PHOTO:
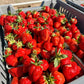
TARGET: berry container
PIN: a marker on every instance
(69, 11)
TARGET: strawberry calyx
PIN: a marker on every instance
(29, 45)
(53, 34)
(67, 37)
(19, 19)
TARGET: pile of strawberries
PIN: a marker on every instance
(36, 51)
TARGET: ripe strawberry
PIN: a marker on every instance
(52, 12)
(17, 44)
(16, 72)
(57, 25)
(61, 40)
(46, 8)
(70, 71)
(68, 33)
(81, 46)
(68, 25)
(26, 36)
(22, 14)
(44, 34)
(52, 67)
(60, 46)
(31, 44)
(8, 28)
(8, 51)
(45, 54)
(2, 20)
(45, 15)
(42, 80)
(47, 46)
(40, 20)
(81, 38)
(49, 21)
(13, 62)
(28, 14)
(73, 47)
(67, 52)
(34, 72)
(67, 39)
(73, 21)
(35, 14)
(44, 65)
(25, 80)
(54, 18)
(73, 41)
(14, 80)
(80, 54)
(23, 23)
(31, 27)
(55, 39)
(30, 21)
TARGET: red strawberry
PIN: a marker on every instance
(46, 8)
(70, 71)
(52, 67)
(45, 15)
(2, 20)
(26, 36)
(73, 21)
(34, 72)
(54, 18)
(44, 65)
(31, 44)
(52, 12)
(81, 46)
(13, 61)
(30, 21)
(22, 14)
(57, 25)
(40, 20)
(60, 46)
(55, 39)
(68, 33)
(61, 39)
(76, 35)
(45, 54)
(25, 80)
(44, 34)
(49, 21)
(47, 46)
(35, 14)
(28, 14)
(68, 25)
(14, 80)
(73, 41)
(31, 27)
(67, 39)
(42, 80)
(8, 51)
(80, 54)
(16, 72)
(81, 38)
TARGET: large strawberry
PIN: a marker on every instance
(16, 72)
(25, 80)
(71, 70)
(13, 61)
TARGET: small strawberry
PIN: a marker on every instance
(45, 15)
(13, 62)
(57, 25)
(15, 80)
(16, 72)
(40, 20)
(35, 14)
(68, 33)
(30, 21)
(76, 35)
(46, 8)
(52, 12)
(49, 21)
(31, 27)
(67, 39)
(8, 51)
(80, 54)
(81, 46)
(81, 38)
(25, 80)
(28, 14)
(73, 21)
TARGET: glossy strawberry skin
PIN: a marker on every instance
(15, 80)
(57, 25)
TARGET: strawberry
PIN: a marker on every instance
(56, 77)
(52, 67)
(46, 8)
(31, 44)
(73, 47)
(44, 65)
(57, 25)
(47, 46)
(81, 46)
(13, 62)
(67, 39)
(28, 14)
(22, 14)
(8, 51)
(54, 18)
(80, 54)
(45, 15)
(76, 35)
(14, 80)
(26, 36)
(2, 20)
(73, 41)
(23, 23)
(61, 40)
(8, 28)
(68, 33)
(17, 44)
(60, 46)
(70, 71)
(35, 14)
(81, 38)
(40, 20)
(55, 39)
(49, 21)
(73, 21)
(31, 27)
(34, 72)
(30, 21)
(68, 25)
(16, 72)
(45, 54)
(25, 80)
(44, 34)
(52, 12)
